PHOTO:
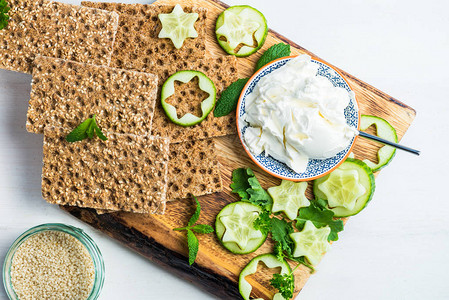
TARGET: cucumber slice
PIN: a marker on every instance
(289, 197)
(205, 84)
(311, 242)
(384, 130)
(241, 30)
(271, 262)
(343, 188)
(235, 230)
(178, 26)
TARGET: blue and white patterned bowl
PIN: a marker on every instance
(316, 167)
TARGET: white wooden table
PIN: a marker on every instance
(398, 248)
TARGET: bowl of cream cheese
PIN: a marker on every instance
(297, 118)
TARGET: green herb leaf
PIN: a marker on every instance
(263, 222)
(273, 53)
(202, 228)
(193, 244)
(284, 283)
(320, 217)
(80, 132)
(229, 98)
(85, 130)
(196, 215)
(245, 184)
(4, 18)
(280, 232)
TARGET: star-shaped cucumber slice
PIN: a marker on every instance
(289, 197)
(342, 188)
(238, 28)
(311, 242)
(178, 26)
(239, 227)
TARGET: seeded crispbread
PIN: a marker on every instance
(137, 44)
(193, 168)
(65, 93)
(56, 29)
(126, 172)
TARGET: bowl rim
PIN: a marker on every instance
(79, 234)
(242, 94)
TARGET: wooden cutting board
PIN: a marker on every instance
(216, 270)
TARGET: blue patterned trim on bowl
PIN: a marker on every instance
(315, 167)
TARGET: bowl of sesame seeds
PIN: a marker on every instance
(53, 261)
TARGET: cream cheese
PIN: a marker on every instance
(295, 115)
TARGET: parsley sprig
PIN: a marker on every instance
(245, 184)
(87, 129)
(192, 240)
(4, 17)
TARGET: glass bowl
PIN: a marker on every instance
(79, 234)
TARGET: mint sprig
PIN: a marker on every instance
(274, 52)
(229, 98)
(87, 129)
(4, 17)
(192, 240)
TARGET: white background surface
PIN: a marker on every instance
(398, 248)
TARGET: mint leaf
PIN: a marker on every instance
(229, 98)
(320, 217)
(80, 132)
(284, 283)
(196, 215)
(245, 184)
(4, 18)
(193, 244)
(99, 133)
(202, 228)
(273, 53)
(87, 129)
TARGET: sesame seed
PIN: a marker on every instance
(52, 265)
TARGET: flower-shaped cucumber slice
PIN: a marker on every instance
(178, 26)
(204, 83)
(241, 30)
(343, 188)
(289, 197)
(235, 229)
(311, 242)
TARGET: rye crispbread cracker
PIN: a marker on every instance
(193, 168)
(222, 71)
(126, 172)
(65, 93)
(137, 44)
(55, 29)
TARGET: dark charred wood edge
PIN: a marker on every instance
(176, 263)
(359, 82)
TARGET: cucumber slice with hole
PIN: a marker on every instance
(235, 230)
(270, 261)
(343, 187)
(383, 130)
(205, 84)
(241, 30)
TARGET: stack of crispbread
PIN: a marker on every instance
(56, 29)
(105, 59)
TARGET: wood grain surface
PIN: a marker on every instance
(216, 270)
